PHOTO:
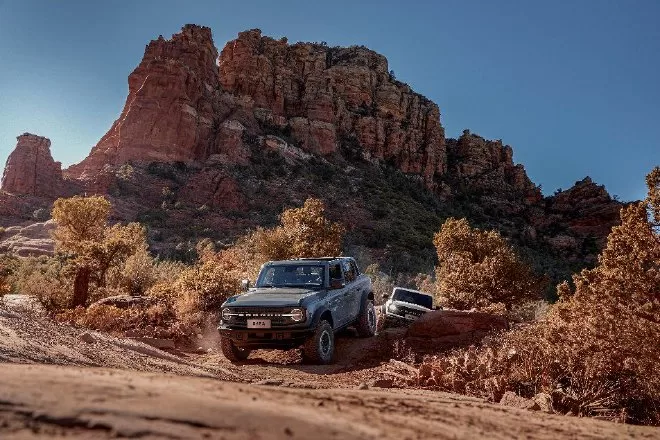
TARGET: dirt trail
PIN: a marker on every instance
(137, 391)
(40, 401)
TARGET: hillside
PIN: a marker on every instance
(212, 143)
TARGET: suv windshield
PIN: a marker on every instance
(413, 297)
(291, 275)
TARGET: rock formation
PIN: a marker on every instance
(586, 210)
(487, 166)
(31, 170)
(266, 124)
(34, 239)
(173, 107)
(331, 98)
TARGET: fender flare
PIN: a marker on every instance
(316, 317)
(367, 295)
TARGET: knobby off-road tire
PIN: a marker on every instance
(319, 348)
(367, 323)
(232, 352)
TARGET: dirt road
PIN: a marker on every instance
(59, 381)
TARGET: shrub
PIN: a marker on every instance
(45, 278)
(8, 265)
(479, 269)
(155, 319)
(200, 288)
(137, 274)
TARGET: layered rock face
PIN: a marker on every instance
(333, 98)
(31, 170)
(172, 106)
(488, 166)
(586, 209)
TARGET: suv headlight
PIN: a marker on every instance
(226, 314)
(393, 308)
(297, 315)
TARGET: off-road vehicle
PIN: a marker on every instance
(298, 303)
(405, 306)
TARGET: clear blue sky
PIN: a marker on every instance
(572, 86)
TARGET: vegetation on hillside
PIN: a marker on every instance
(95, 260)
(595, 353)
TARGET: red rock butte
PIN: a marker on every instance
(182, 107)
(31, 170)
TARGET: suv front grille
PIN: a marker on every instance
(275, 314)
(403, 310)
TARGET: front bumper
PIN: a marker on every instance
(282, 338)
(393, 317)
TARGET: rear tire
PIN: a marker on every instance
(232, 352)
(319, 348)
(367, 323)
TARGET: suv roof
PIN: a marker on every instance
(411, 290)
(319, 260)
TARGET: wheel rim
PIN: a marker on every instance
(325, 343)
(371, 317)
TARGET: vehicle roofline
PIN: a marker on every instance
(411, 290)
(319, 260)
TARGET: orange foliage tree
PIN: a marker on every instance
(303, 232)
(83, 234)
(479, 269)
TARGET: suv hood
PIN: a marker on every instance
(271, 297)
(408, 305)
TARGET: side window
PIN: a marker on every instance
(355, 268)
(349, 272)
(335, 272)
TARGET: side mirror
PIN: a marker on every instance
(386, 296)
(245, 285)
(336, 283)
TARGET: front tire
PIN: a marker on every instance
(367, 322)
(319, 348)
(232, 352)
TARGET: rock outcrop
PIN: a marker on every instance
(447, 329)
(31, 170)
(331, 98)
(578, 220)
(173, 109)
(34, 239)
(487, 166)
(586, 209)
(454, 322)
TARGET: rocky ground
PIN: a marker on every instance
(61, 381)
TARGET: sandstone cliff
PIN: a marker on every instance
(585, 213)
(332, 98)
(487, 166)
(31, 170)
(173, 111)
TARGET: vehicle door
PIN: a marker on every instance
(337, 297)
(352, 297)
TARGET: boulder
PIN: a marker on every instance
(456, 324)
(512, 399)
